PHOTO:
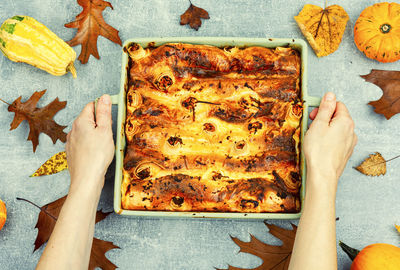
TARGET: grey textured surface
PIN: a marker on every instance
(367, 207)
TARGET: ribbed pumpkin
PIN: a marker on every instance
(3, 214)
(23, 39)
(377, 32)
(374, 257)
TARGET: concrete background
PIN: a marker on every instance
(367, 207)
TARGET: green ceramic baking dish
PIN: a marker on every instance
(120, 100)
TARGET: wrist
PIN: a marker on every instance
(321, 183)
(86, 187)
(83, 199)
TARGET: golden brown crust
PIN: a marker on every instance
(212, 129)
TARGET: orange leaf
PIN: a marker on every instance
(374, 165)
(47, 220)
(397, 228)
(389, 82)
(91, 25)
(323, 28)
(273, 257)
(193, 16)
(40, 120)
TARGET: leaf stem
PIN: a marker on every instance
(41, 208)
(319, 23)
(386, 161)
(392, 158)
(5, 102)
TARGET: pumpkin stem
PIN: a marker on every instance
(72, 69)
(351, 252)
(385, 28)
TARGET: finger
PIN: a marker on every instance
(341, 110)
(103, 112)
(355, 140)
(85, 118)
(313, 113)
(326, 108)
(88, 112)
(68, 144)
(353, 145)
(342, 116)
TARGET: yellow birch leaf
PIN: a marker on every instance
(323, 28)
(55, 164)
(374, 165)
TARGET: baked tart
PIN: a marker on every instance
(212, 129)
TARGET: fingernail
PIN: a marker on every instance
(329, 96)
(106, 99)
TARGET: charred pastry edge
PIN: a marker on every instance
(205, 67)
(177, 190)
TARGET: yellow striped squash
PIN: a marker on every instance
(23, 39)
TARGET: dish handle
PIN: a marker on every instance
(312, 101)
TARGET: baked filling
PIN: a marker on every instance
(212, 129)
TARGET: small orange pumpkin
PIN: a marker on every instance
(373, 257)
(377, 32)
(3, 214)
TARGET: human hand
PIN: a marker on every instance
(90, 146)
(330, 140)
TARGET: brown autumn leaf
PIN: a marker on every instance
(91, 25)
(323, 28)
(374, 165)
(55, 164)
(98, 255)
(193, 16)
(47, 220)
(389, 82)
(273, 257)
(40, 120)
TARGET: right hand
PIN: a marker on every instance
(330, 140)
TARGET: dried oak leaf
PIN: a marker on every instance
(389, 82)
(91, 25)
(374, 165)
(273, 257)
(98, 255)
(323, 28)
(55, 164)
(193, 16)
(47, 220)
(40, 120)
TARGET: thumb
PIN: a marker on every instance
(326, 108)
(103, 112)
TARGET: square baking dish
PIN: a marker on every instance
(120, 100)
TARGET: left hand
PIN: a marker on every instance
(90, 145)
